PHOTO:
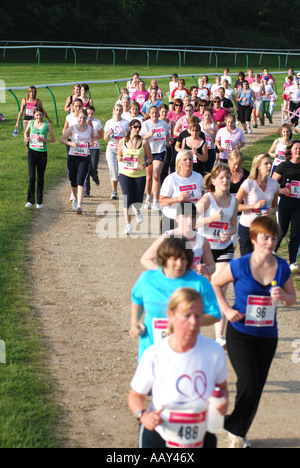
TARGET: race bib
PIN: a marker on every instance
(295, 189)
(213, 231)
(34, 143)
(260, 311)
(185, 429)
(193, 191)
(115, 141)
(159, 134)
(131, 163)
(227, 145)
(29, 111)
(208, 142)
(81, 150)
(159, 329)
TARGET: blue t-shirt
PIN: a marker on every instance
(153, 290)
(245, 285)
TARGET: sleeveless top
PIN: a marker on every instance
(82, 139)
(34, 133)
(132, 158)
(212, 231)
(198, 166)
(29, 109)
(246, 98)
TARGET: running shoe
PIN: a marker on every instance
(79, 210)
(139, 217)
(39, 206)
(255, 126)
(249, 130)
(74, 204)
(221, 340)
(28, 205)
(114, 195)
(294, 268)
(128, 230)
(155, 206)
(238, 442)
(147, 204)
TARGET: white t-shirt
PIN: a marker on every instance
(119, 128)
(228, 78)
(180, 381)
(174, 184)
(97, 125)
(157, 141)
(255, 194)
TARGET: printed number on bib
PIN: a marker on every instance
(35, 143)
(193, 191)
(260, 311)
(295, 189)
(81, 150)
(159, 329)
(131, 163)
(185, 429)
(214, 230)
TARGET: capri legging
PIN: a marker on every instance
(244, 113)
(78, 168)
(111, 158)
(133, 189)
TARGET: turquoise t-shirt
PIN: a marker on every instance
(153, 290)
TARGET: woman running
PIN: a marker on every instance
(134, 156)
(81, 135)
(28, 104)
(180, 373)
(114, 130)
(218, 223)
(35, 136)
(252, 332)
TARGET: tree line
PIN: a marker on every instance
(256, 24)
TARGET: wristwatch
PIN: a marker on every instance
(139, 414)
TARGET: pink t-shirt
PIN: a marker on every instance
(255, 194)
(220, 115)
(140, 97)
(174, 116)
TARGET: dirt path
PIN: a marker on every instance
(81, 287)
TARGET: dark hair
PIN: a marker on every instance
(175, 247)
(288, 153)
(131, 123)
(186, 208)
(38, 109)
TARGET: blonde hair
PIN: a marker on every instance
(256, 164)
(180, 155)
(186, 296)
(220, 167)
(236, 156)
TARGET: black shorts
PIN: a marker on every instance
(223, 255)
(160, 156)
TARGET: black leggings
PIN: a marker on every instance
(37, 163)
(133, 190)
(289, 213)
(251, 357)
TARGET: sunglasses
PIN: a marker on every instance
(178, 105)
(136, 126)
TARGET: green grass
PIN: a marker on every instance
(29, 416)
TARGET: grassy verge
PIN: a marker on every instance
(29, 416)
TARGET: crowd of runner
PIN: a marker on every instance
(184, 160)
